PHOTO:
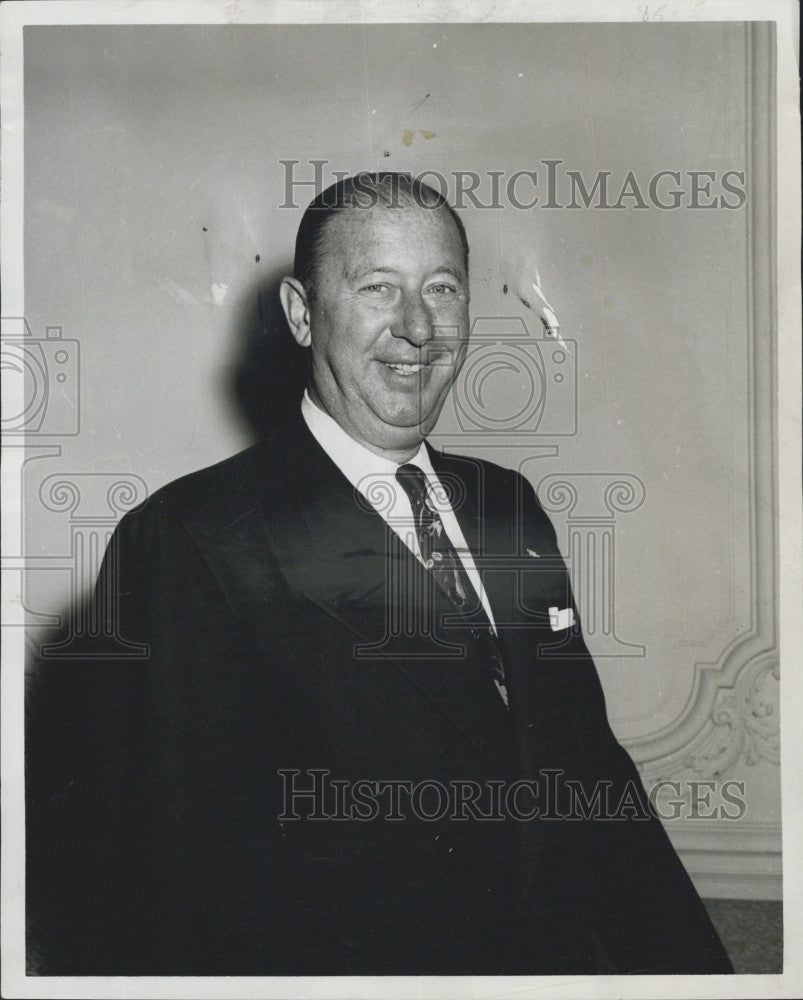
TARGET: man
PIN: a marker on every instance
(343, 626)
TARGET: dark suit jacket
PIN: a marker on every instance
(271, 602)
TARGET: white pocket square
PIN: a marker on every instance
(561, 618)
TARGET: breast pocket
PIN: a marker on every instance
(544, 594)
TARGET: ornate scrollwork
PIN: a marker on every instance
(60, 495)
(624, 494)
(745, 722)
(599, 495)
(376, 493)
(451, 492)
(90, 496)
(558, 495)
(125, 494)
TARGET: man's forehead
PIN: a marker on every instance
(354, 232)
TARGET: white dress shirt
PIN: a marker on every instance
(375, 478)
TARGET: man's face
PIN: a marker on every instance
(389, 322)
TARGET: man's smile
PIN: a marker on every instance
(425, 364)
(405, 369)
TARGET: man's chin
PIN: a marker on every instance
(408, 421)
(410, 410)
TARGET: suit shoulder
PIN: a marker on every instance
(210, 495)
(492, 476)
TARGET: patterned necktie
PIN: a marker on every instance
(446, 567)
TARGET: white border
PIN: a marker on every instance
(17, 13)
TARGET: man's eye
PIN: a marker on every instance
(441, 289)
(375, 288)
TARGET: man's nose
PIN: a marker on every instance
(415, 322)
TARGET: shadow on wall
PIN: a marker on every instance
(269, 373)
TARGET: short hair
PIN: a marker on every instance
(363, 190)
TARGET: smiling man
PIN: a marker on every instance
(381, 296)
(368, 737)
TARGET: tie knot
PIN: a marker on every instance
(414, 483)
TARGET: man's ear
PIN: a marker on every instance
(296, 309)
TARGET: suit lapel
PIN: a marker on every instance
(338, 552)
(330, 544)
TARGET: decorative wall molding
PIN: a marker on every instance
(746, 721)
(729, 721)
(730, 861)
(722, 716)
(743, 726)
(731, 717)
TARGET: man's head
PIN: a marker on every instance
(380, 295)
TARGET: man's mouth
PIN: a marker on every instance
(403, 369)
